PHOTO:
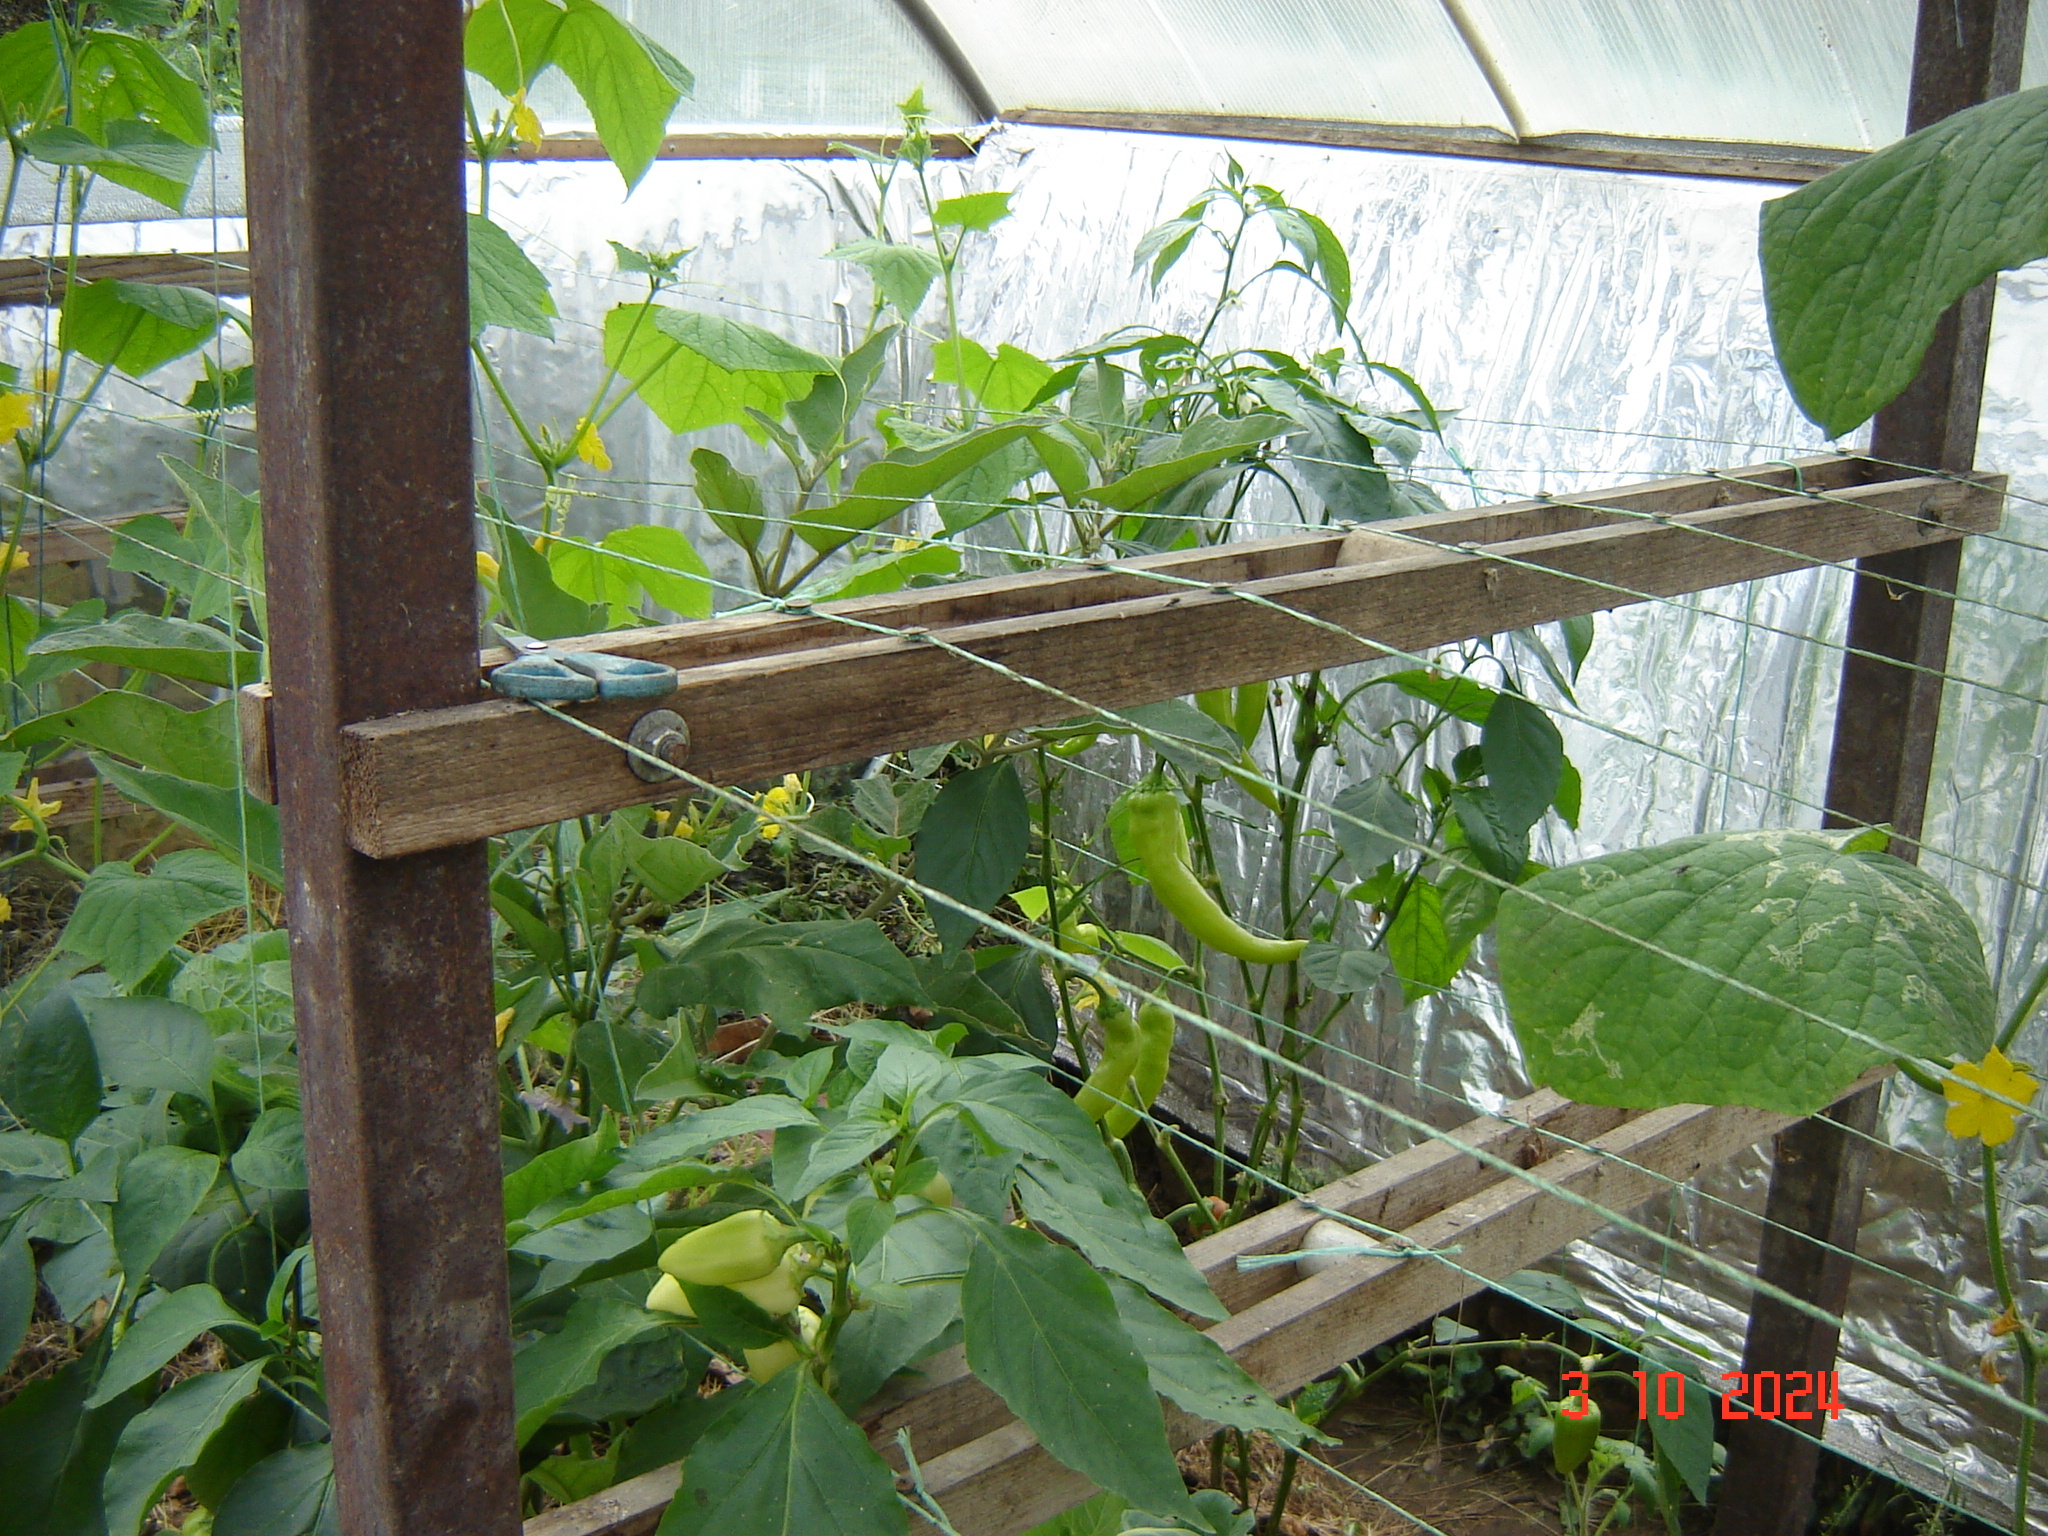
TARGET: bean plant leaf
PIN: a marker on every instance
(174, 647)
(169, 1436)
(1043, 1331)
(160, 1336)
(197, 744)
(161, 1189)
(1338, 968)
(505, 287)
(128, 921)
(972, 843)
(290, 1493)
(1524, 757)
(1859, 265)
(273, 1153)
(1634, 979)
(1191, 1370)
(49, 1071)
(785, 1461)
(152, 1043)
(234, 821)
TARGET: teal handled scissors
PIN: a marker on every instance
(566, 677)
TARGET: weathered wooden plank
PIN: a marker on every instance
(35, 280)
(740, 146)
(1742, 162)
(428, 779)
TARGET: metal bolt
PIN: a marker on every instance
(659, 733)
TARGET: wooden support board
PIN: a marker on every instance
(770, 693)
(990, 1473)
(37, 280)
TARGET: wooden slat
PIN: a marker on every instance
(434, 778)
(33, 280)
(72, 540)
(741, 146)
(1656, 157)
(994, 1479)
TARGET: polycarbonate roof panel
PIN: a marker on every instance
(1386, 61)
(807, 65)
(1821, 72)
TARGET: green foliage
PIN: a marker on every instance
(1859, 265)
(1765, 968)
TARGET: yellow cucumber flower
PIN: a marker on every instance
(525, 122)
(590, 447)
(504, 1022)
(486, 565)
(6, 910)
(20, 560)
(17, 412)
(1972, 1112)
(35, 810)
(787, 801)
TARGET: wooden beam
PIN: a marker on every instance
(40, 281)
(356, 211)
(1065, 642)
(994, 1479)
(75, 540)
(1880, 766)
(741, 146)
(1657, 157)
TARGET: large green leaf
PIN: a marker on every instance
(197, 744)
(561, 1169)
(505, 287)
(288, 1494)
(885, 487)
(1373, 821)
(689, 1135)
(242, 827)
(972, 843)
(662, 562)
(159, 1336)
(1118, 1233)
(120, 77)
(787, 971)
(49, 1073)
(629, 83)
(1524, 757)
(1191, 1370)
(127, 152)
(1043, 1332)
(174, 647)
(54, 1453)
(696, 370)
(167, 1437)
(1023, 1111)
(136, 327)
(1858, 957)
(128, 921)
(1008, 379)
(785, 1461)
(903, 274)
(1206, 444)
(152, 1043)
(273, 1153)
(555, 1367)
(1859, 265)
(160, 1191)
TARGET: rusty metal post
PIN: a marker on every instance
(1964, 52)
(361, 304)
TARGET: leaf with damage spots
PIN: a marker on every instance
(1763, 968)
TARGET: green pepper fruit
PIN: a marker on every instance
(1249, 712)
(669, 1296)
(1571, 1439)
(1156, 1027)
(1109, 1085)
(745, 1246)
(1153, 825)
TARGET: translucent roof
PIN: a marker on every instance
(1824, 73)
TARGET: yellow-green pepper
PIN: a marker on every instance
(1153, 823)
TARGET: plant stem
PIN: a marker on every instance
(2026, 1007)
(2030, 1356)
(1282, 1492)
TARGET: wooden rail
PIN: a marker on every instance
(770, 693)
(993, 1478)
(40, 280)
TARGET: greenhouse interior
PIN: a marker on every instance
(1024, 767)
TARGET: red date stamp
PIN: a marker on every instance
(1753, 1394)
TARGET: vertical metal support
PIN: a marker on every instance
(361, 305)
(1964, 52)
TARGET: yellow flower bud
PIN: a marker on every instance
(486, 565)
(504, 1022)
(6, 910)
(744, 1246)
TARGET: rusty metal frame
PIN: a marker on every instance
(361, 298)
